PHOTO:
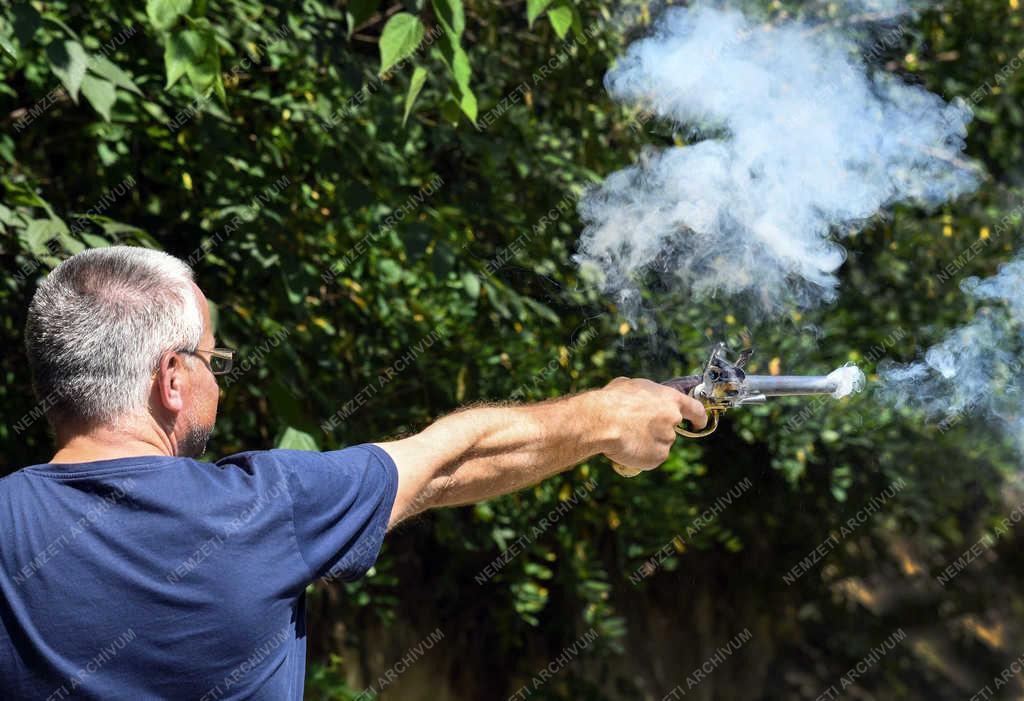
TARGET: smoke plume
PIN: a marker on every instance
(849, 379)
(976, 369)
(797, 144)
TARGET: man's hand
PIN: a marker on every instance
(644, 415)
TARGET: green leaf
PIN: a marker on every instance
(179, 53)
(458, 63)
(561, 19)
(94, 241)
(460, 68)
(294, 439)
(105, 68)
(71, 244)
(451, 111)
(467, 103)
(40, 231)
(8, 217)
(55, 19)
(401, 35)
(471, 283)
(164, 13)
(100, 93)
(419, 76)
(218, 87)
(451, 15)
(193, 53)
(205, 72)
(8, 46)
(68, 60)
(535, 8)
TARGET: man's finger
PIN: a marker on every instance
(693, 411)
(667, 435)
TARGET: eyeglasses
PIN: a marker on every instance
(220, 362)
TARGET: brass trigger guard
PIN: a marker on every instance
(713, 415)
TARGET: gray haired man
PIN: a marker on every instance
(131, 569)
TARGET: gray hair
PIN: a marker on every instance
(98, 325)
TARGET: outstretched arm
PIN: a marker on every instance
(479, 453)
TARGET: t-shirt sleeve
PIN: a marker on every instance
(341, 504)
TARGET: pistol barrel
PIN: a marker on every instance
(791, 385)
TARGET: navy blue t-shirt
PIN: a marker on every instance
(163, 577)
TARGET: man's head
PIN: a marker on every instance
(115, 338)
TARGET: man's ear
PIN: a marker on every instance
(170, 382)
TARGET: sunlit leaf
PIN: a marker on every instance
(400, 38)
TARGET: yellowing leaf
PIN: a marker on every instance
(774, 366)
(186, 180)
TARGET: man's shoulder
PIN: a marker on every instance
(9, 480)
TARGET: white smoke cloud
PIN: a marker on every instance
(803, 146)
(977, 369)
(849, 379)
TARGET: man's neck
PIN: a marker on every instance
(108, 444)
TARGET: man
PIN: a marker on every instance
(132, 570)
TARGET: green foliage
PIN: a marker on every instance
(286, 149)
(400, 38)
(68, 61)
(164, 14)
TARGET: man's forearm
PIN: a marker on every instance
(479, 453)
